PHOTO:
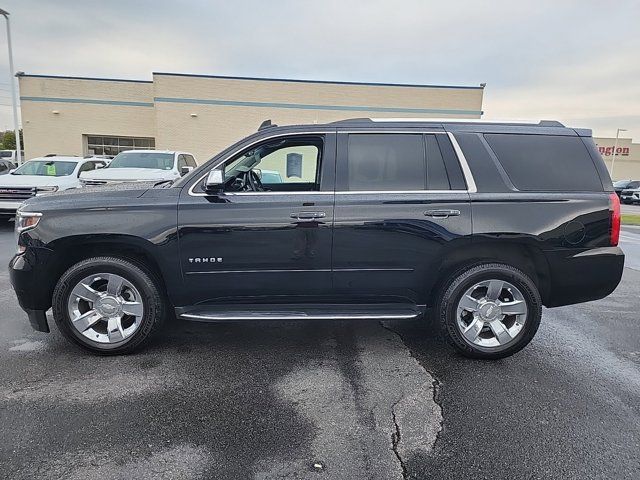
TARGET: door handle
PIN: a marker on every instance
(308, 215)
(442, 213)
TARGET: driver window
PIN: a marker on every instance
(290, 164)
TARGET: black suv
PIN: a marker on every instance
(482, 223)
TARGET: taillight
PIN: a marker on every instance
(614, 210)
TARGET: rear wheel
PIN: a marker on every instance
(490, 310)
(108, 305)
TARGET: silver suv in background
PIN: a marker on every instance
(141, 166)
(631, 195)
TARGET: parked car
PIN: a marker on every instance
(479, 223)
(40, 176)
(142, 166)
(11, 155)
(6, 166)
(631, 195)
(622, 185)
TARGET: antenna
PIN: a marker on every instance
(266, 124)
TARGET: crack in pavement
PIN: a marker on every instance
(365, 390)
(403, 447)
(395, 439)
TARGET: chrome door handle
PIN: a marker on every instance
(442, 213)
(308, 215)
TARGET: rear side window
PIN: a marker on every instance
(545, 162)
(437, 178)
(386, 162)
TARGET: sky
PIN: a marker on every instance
(573, 61)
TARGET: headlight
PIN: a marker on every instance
(25, 221)
(40, 190)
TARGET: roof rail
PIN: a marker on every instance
(541, 123)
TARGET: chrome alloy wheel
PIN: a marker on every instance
(491, 314)
(105, 308)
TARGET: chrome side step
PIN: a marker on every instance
(214, 313)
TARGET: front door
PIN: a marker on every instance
(267, 235)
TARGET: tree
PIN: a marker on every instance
(9, 140)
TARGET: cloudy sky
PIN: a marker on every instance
(575, 61)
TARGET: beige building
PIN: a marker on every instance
(203, 114)
(626, 165)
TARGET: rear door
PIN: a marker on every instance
(401, 202)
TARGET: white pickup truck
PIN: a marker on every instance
(142, 166)
(41, 176)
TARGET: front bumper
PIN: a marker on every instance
(583, 275)
(9, 207)
(626, 197)
(32, 285)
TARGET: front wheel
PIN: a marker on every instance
(490, 310)
(108, 305)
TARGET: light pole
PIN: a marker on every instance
(615, 148)
(14, 94)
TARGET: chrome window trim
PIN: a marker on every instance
(408, 192)
(462, 160)
(468, 176)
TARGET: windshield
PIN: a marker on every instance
(159, 161)
(46, 168)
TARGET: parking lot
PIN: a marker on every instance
(326, 399)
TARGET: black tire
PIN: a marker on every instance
(464, 279)
(154, 302)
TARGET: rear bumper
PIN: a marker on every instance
(583, 276)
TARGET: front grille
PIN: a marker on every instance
(17, 193)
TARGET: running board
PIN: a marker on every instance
(385, 311)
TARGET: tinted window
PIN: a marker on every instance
(191, 161)
(454, 171)
(386, 162)
(437, 178)
(131, 159)
(87, 166)
(545, 162)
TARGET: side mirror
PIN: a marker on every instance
(214, 181)
(99, 165)
(185, 170)
(12, 170)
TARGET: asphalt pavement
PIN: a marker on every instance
(634, 209)
(335, 400)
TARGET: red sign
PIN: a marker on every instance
(608, 151)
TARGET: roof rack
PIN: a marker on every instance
(541, 123)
